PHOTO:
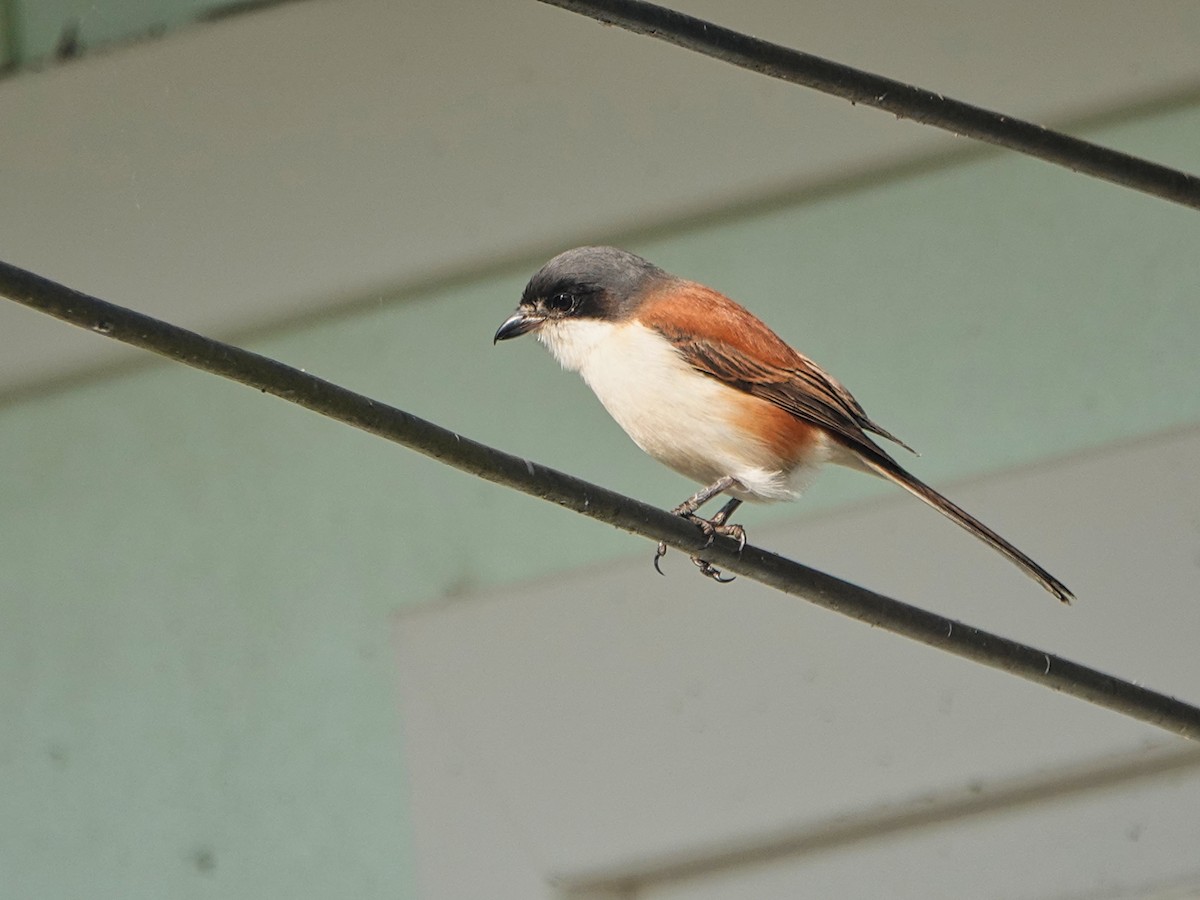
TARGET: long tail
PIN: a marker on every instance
(892, 471)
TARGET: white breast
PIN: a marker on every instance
(682, 418)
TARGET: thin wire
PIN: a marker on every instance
(902, 100)
(328, 399)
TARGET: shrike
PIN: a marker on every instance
(707, 389)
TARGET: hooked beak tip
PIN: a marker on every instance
(515, 326)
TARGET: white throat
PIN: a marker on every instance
(573, 341)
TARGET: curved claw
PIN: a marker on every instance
(737, 532)
(708, 570)
(659, 554)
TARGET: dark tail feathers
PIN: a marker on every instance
(893, 472)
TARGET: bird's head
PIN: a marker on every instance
(602, 284)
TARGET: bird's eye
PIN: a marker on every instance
(560, 302)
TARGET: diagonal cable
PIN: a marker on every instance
(902, 100)
(328, 399)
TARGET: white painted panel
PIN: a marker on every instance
(1139, 840)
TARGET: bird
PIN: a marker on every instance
(706, 388)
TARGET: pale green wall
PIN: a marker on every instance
(196, 680)
(31, 30)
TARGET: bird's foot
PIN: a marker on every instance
(710, 528)
(735, 531)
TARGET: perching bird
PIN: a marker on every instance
(707, 389)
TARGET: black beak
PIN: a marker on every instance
(517, 324)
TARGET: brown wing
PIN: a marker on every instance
(721, 339)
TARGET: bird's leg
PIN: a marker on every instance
(702, 496)
(734, 531)
(711, 527)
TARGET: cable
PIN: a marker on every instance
(328, 399)
(902, 100)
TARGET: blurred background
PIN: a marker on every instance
(248, 652)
